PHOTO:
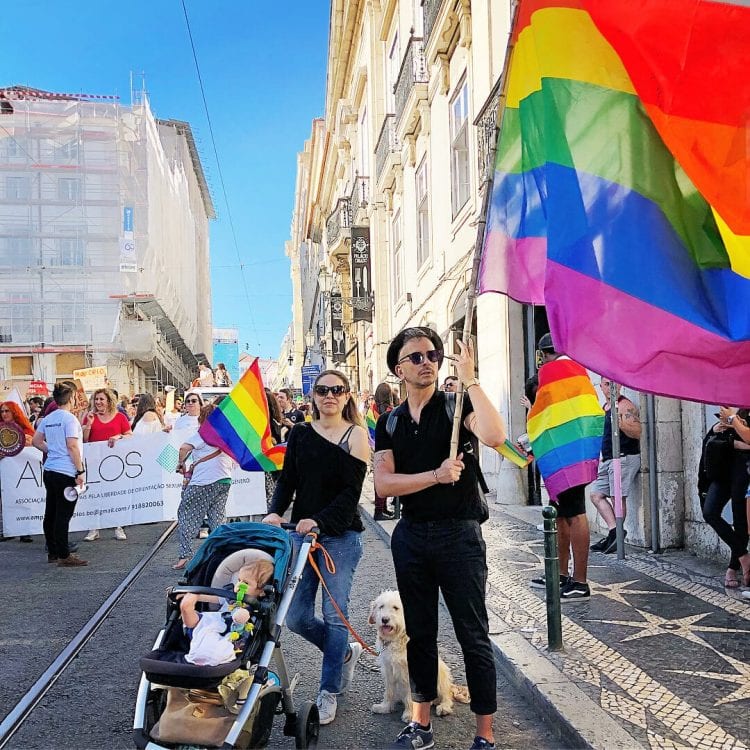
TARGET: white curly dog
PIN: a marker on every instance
(387, 613)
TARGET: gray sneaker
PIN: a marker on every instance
(326, 704)
(347, 673)
(413, 737)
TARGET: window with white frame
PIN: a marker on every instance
(460, 162)
(68, 189)
(70, 251)
(17, 188)
(15, 251)
(68, 151)
(423, 214)
(393, 64)
(397, 258)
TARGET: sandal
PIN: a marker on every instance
(730, 579)
(180, 564)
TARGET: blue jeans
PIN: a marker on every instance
(330, 634)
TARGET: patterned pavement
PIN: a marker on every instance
(662, 649)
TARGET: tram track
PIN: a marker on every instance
(15, 719)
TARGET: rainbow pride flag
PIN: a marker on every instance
(371, 419)
(621, 198)
(565, 426)
(514, 454)
(241, 427)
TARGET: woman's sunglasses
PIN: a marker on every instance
(324, 390)
(417, 358)
(192, 401)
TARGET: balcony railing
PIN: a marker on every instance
(430, 11)
(387, 144)
(486, 134)
(413, 70)
(340, 218)
(360, 195)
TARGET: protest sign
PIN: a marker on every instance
(133, 482)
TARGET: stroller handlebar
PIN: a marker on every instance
(176, 591)
(293, 526)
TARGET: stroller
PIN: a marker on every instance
(169, 684)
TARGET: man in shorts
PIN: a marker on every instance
(603, 489)
(572, 523)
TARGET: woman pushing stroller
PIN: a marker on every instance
(325, 464)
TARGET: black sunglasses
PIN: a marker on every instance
(417, 358)
(192, 401)
(324, 390)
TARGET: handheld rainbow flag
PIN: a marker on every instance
(565, 426)
(621, 186)
(240, 425)
(514, 454)
(371, 419)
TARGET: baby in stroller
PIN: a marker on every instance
(241, 567)
(215, 637)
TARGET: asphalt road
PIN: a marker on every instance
(91, 706)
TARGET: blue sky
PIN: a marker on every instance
(263, 67)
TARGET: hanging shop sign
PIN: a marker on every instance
(361, 274)
(338, 353)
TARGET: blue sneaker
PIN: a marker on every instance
(481, 744)
(413, 737)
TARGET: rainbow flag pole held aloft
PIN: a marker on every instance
(241, 427)
(565, 426)
(621, 196)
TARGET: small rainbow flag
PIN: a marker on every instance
(514, 454)
(371, 420)
(240, 425)
(565, 426)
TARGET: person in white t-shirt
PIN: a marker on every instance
(189, 420)
(60, 437)
(209, 478)
(147, 419)
(206, 376)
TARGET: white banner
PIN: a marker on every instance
(134, 482)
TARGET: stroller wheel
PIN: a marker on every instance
(308, 726)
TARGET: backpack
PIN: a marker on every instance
(470, 458)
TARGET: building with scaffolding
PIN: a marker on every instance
(104, 249)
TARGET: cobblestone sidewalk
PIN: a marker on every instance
(659, 648)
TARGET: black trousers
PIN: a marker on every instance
(448, 557)
(734, 488)
(57, 513)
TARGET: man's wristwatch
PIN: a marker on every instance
(82, 471)
(469, 383)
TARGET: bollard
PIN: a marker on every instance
(552, 578)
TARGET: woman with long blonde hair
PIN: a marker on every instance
(324, 468)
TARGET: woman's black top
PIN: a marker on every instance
(326, 479)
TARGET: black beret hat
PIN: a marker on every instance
(407, 334)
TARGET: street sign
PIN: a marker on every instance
(309, 373)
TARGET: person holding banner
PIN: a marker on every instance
(11, 412)
(205, 491)
(105, 422)
(60, 437)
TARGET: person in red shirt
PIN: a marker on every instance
(105, 422)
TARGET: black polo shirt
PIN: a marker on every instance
(423, 447)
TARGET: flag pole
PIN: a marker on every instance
(481, 226)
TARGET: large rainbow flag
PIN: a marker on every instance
(565, 426)
(240, 425)
(621, 198)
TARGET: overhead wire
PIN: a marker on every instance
(221, 175)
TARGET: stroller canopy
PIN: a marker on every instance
(231, 537)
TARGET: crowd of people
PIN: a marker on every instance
(437, 545)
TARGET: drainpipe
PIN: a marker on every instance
(653, 485)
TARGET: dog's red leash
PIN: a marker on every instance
(331, 568)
